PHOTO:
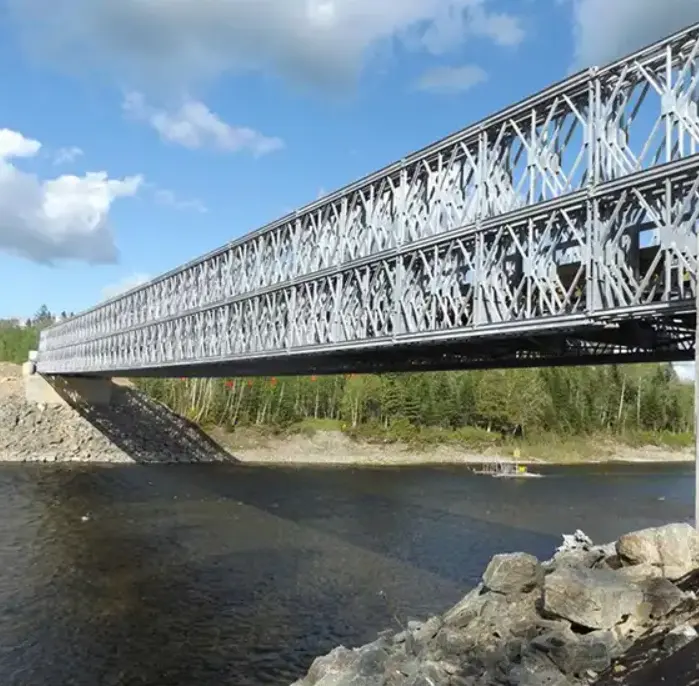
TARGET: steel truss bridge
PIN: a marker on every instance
(561, 230)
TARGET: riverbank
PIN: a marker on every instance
(310, 446)
(137, 429)
(623, 613)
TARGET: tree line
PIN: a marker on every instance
(19, 336)
(570, 401)
(567, 401)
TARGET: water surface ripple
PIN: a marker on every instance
(198, 575)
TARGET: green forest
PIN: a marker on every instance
(637, 404)
(17, 340)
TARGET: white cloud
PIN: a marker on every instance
(450, 80)
(502, 28)
(323, 42)
(458, 21)
(14, 144)
(67, 155)
(195, 126)
(126, 284)
(608, 29)
(56, 219)
(168, 198)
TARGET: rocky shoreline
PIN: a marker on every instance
(622, 613)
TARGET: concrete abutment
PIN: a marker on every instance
(64, 390)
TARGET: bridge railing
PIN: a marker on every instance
(505, 222)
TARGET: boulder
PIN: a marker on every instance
(451, 643)
(674, 549)
(513, 573)
(679, 637)
(591, 598)
(429, 674)
(578, 551)
(467, 609)
(662, 596)
(594, 651)
(425, 632)
(575, 558)
(329, 669)
(555, 639)
(503, 617)
(371, 660)
(537, 670)
(640, 573)
(342, 667)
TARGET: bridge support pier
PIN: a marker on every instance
(64, 390)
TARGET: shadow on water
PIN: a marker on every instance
(359, 508)
(144, 429)
(123, 601)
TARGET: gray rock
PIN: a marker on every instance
(662, 596)
(398, 670)
(450, 643)
(426, 632)
(673, 548)
(640, 573)
(510, 615)
(513, 573)
(371, 659)
(536, 670)
(430, 674)
(500, 619)
(422, 680)
(575, 558)
(591, 598)
(679, 637)
(592, 651)
(575, 541)
(400, 637)
(329, 669)
(555, 639)
(467, 609)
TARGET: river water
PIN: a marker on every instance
(198, 575)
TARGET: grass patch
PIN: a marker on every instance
(659, 439)
(543, 446)
(310, 427)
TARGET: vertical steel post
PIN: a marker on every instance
(696, 386)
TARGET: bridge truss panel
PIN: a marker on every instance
(576, 207)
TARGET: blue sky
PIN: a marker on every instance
(138, 134)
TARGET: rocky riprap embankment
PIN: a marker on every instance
(613, 614)
(134, 428)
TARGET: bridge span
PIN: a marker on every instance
(561, 230)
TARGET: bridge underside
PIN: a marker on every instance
(669, 339)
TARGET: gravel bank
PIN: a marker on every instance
(134, 429)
